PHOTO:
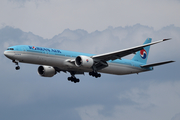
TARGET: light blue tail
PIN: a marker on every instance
(142, 55)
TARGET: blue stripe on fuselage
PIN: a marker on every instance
(52, 51)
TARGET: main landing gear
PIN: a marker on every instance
(17, 67)
(94, 74)
(73, 78)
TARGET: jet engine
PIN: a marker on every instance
(46, 71)
(84, 61)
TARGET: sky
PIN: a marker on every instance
(93, 27)
(50, 17)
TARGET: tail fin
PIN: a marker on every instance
(142, 55)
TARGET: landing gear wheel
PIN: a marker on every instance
(77, 80)
(94, 74)
(17, 67)
(99, 75)
(69, 78)
(90, 73)
(73, 79)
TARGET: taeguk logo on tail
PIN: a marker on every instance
(143, 54)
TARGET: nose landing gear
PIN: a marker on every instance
(17, 67)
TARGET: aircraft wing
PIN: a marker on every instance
(121, 53)
(156, 64)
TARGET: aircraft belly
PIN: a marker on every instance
(120, 69)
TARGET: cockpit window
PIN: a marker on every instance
(10, 49)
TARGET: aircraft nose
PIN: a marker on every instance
(8, 54)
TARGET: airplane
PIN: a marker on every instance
(52, 60)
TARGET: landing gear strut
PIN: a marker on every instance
(94, 73)
(73, 78)
(17, 67)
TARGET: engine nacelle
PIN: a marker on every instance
(46, 71)
(84, 61)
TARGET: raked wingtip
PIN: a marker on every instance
(167, 39)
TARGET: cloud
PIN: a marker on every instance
(90, 112)
(50, 17)
(22, 3)
(158, 101)
(176, 117)
(19, 0)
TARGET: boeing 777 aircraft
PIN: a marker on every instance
(52, 61)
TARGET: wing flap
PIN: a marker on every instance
(156, 64)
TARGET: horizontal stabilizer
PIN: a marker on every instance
(156, 64)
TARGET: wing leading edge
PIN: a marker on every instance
(121, 53)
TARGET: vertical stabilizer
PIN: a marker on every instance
(142, 55)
